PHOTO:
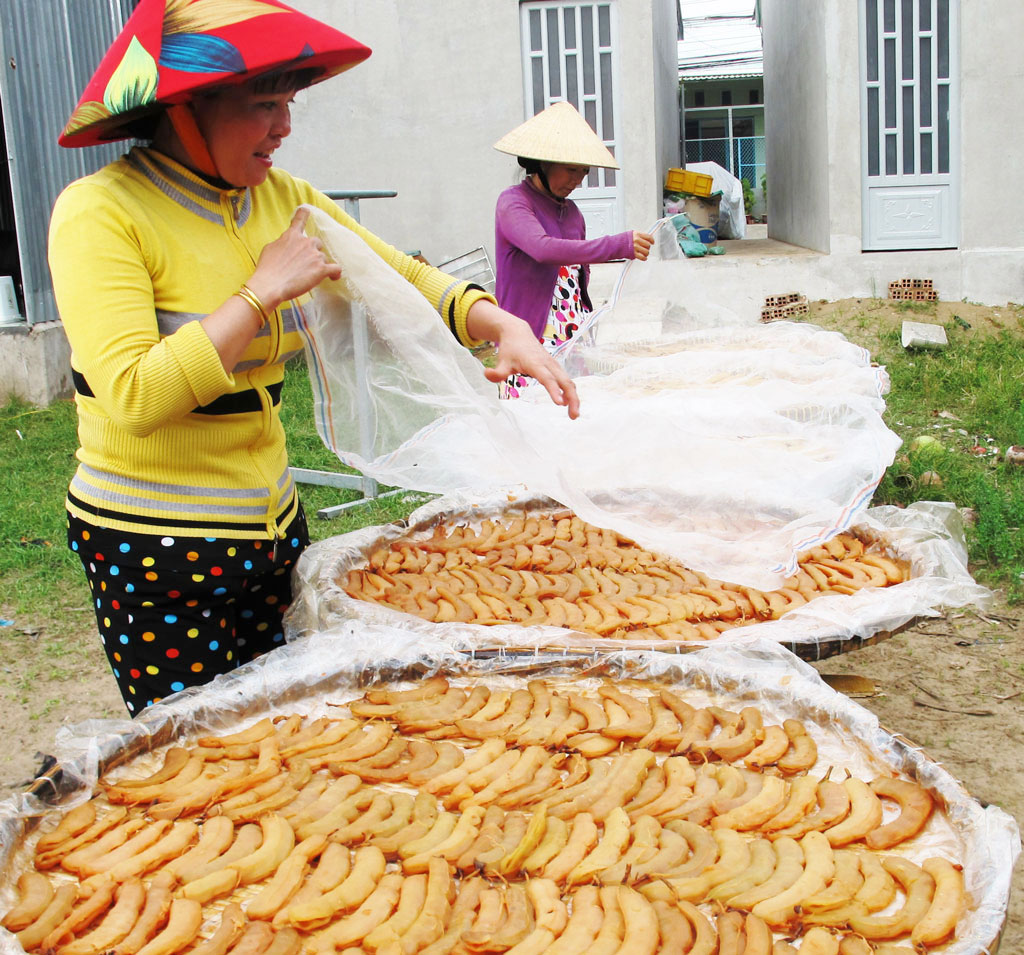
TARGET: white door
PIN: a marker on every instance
(569, 53)
(910, 115)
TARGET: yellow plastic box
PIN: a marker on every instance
(682, 180)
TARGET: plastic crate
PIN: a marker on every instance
(682, 180)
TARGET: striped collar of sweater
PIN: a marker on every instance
(188, 189)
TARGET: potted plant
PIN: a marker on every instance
(748, 199)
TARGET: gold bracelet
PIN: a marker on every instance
(252, 298)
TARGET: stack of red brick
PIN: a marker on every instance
(913, 290)
(783, 307)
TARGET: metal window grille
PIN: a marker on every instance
(908, 85)
(568, 48)
(743, 156)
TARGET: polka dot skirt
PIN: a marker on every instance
(174, 612)
(567, 309)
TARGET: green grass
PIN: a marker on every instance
(38, 574)
(980, 382)
(920, 308)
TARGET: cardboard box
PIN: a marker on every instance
(704, 213)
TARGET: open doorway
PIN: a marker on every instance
(10, 261)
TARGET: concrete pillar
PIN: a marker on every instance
(35, 363)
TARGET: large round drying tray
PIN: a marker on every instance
(928, 536)
(307, 676)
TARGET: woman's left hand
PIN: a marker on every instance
(642, 243)
(519, 353)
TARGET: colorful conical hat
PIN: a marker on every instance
(169, 50)
(558, 134)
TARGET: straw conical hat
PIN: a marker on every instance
(558, 134)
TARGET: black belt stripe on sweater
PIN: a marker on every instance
(238, 403)
(257, 528)
(451, 306)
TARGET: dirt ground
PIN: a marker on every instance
(954, 685)
(864, 320)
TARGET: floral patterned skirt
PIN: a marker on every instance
(567, 309)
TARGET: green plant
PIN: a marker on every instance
(974, 380)
(41, 577)
(748, 197)
(919, 307)
(764, 188)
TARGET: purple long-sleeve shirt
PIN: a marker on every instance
(534, 234)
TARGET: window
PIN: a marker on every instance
(743, 126)
(727, 97)
(568, 55)
(754, 97)
(698, 97)
(712, 128)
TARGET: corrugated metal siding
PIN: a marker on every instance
(49, 50)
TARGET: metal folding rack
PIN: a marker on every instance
(474, 266)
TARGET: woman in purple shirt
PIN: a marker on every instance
(543, 254)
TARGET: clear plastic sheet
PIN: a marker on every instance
(731, 452)
(652, 300)
(928, 534)
(302, 677)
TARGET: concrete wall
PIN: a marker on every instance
(841, 80)
(813, 135)
(992, 137)
(662, 83)
(419, 116)
(443, 84)
(35, 363)
(740, 89)
(796, 119)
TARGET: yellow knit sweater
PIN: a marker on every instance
(170, 443)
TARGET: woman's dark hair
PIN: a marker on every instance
(143, 127)
(285, 81)
(533, 168)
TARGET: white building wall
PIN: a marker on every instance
(648, 106)
(796, 103)
(992, 136)
(666, 154)
(419, 117)
(842, 117)
(812, 102)
(443, 84)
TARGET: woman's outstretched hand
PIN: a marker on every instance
(519, 353)
(642, 243)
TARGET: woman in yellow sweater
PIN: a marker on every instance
(180, 272)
